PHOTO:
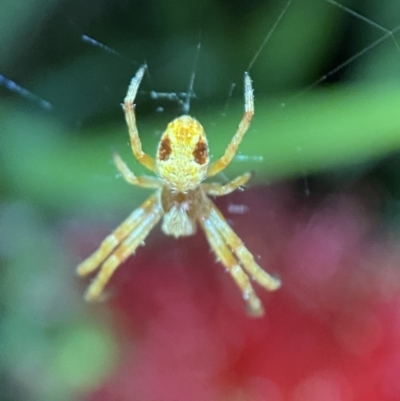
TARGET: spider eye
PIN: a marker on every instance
(200, 152)
(165, 149)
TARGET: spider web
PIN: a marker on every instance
(183, 98)
(380, 33)
(185, 95)
(195, 76)
(387, 34)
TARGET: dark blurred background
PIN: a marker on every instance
(327, 102)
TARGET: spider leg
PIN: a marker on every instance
(246, 259)
(130, 118)
(124, 250)
(231, 149)
(118, 235)
(224, 254)
(219, 190)
(146, 182)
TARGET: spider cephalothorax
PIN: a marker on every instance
(181, 199)
(182, 155)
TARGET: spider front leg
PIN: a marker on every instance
(225, 256)
(142, 228)
(232, 148)
(130, 118)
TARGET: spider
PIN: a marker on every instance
(181, 198)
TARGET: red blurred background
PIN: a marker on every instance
(331, 333)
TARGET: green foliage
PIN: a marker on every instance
(311, 134)
(56, 166)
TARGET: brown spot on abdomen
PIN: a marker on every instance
(165, 149)
(200, 152)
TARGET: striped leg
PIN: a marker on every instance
(224, 254)
(130, 118)
(127, 248)
(242, 253)
(244, 125)
(115, 238)
(220, 190)
(146, 182)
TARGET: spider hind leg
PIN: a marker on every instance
(245, 257)
(112, 248)
(127, 247)
(225, 256)
(233, 254)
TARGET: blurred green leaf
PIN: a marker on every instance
(316, 132)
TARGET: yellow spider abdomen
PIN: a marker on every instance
(182, 155)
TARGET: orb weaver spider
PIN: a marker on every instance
(182, 164)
